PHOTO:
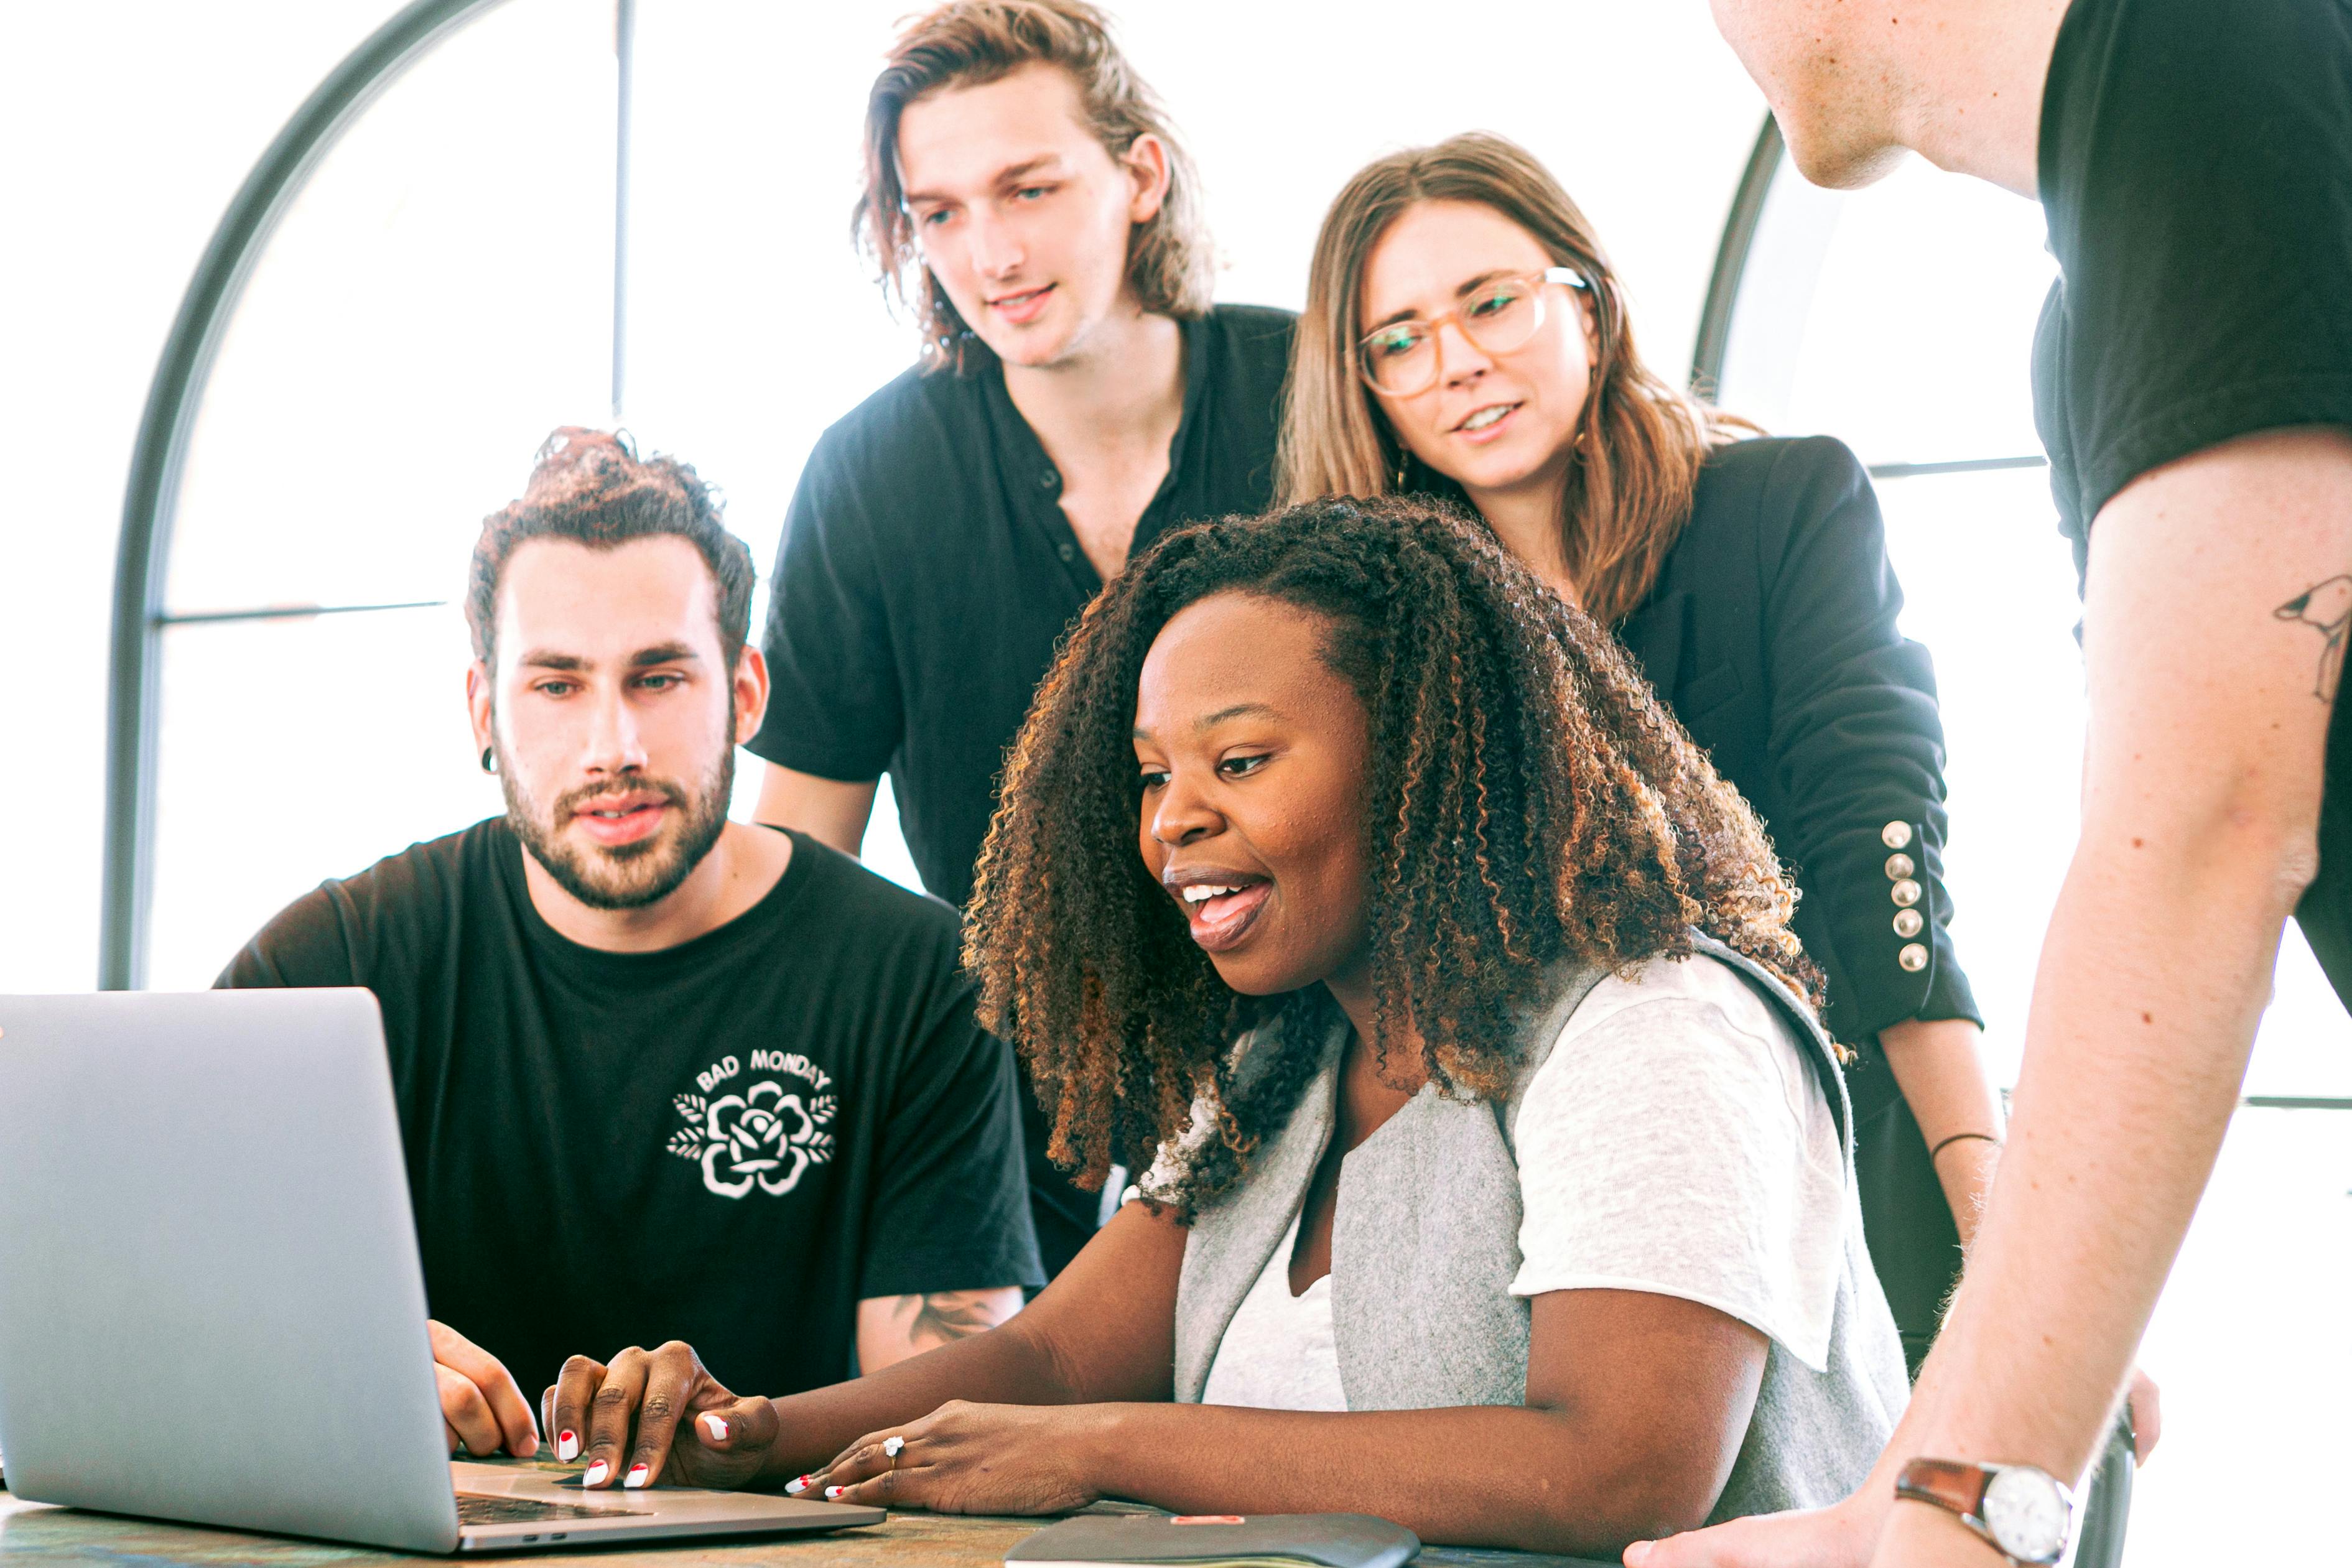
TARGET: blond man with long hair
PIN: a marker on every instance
(1465, 335)
(1074, 394)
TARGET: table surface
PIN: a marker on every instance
(35, 1533)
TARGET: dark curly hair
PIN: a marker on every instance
(1531, 801)
(591, 487)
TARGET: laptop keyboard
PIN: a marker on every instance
(473, 1508)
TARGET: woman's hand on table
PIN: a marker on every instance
(970, 1458)
(656, 1415)
(481, 1404)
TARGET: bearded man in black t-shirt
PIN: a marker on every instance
(660, 1075)
(2193, 383)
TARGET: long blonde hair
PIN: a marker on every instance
(1640, 439)
(970, 43)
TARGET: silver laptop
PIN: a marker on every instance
(211, 1306)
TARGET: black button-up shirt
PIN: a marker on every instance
(926, 576)
(928, 571)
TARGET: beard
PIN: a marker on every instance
(622, 876)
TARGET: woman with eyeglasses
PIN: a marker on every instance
(1463, 336)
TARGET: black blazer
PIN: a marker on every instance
(1771, 633)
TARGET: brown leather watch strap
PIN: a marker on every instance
(1946, 1483)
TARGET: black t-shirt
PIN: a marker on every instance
(2196, 166)
(731, 1142)
(928, 571)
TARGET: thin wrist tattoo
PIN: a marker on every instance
(2326, 607)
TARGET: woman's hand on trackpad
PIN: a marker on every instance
(654, 1416)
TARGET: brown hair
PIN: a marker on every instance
(1529, 800)
(970, 42)
(1640, 441)
(590, 487)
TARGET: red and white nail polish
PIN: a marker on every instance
(596, 1474)
(716, 1426)
(567, 1447)
(796, 1485)
(833, 1492)
(638, 1476)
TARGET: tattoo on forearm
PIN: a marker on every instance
(2326, 607)
(943, 1316)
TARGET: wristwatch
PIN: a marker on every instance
(2026, 1514)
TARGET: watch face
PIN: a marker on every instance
(2028, 1514)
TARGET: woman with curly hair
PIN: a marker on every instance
(1504, 1186)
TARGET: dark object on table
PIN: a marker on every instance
(1330, 1540)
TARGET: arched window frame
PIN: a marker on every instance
(151, 500)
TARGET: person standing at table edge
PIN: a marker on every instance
(2193, 379)
(656, 1068)
(1077, 396)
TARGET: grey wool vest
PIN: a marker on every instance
(1428, 1220)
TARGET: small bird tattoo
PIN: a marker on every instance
(2326, 607)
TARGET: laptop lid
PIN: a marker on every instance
(211, 1303)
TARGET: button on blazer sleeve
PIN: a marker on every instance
(1856, 741)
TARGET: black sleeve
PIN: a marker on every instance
(2197, 163)
(950, 1208)
(1856, 741)
(306, 945)
(833, 703)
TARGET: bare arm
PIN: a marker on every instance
(2201, 786)
(1105, 1329)
(1636, 1408)
(892, 1328)
(1939, 1063)
(825, 809)
(2202, 777)
(1637, 1404)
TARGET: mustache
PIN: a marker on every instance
(572, 802)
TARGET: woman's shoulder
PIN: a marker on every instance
(1680, 1031)
(1760, 502)
(1742, 475)
(1696, 980)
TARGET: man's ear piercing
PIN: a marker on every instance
(489, 759)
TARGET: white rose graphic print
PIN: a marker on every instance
(764, 1133)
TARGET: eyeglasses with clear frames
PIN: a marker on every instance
(1401, 358)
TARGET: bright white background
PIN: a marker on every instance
(441, 297)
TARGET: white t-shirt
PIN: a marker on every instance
(1281, 1352)
(1676, 1141)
